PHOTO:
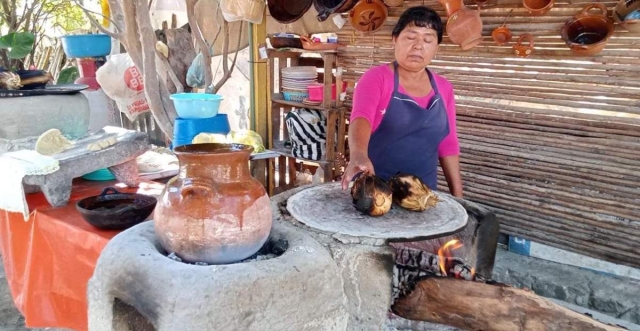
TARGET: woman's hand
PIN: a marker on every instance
(356, 164)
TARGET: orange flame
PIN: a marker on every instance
(445, 252)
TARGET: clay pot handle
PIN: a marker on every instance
(603, 9)
(109, 190)
(523, 37)
(306, 39)
(197, 187)
(323, 15)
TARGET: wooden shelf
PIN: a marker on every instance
(277, 98)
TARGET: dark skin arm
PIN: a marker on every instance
(451, 168)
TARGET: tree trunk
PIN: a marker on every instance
(497, 307)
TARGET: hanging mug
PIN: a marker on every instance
(537, 7)
(501, 35)
(524, 50)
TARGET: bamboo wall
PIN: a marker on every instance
(550, 142)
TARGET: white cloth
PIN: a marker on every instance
(13, 167)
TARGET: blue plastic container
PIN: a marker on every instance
(184, 130)
(196, 105)
(86, 45)
(99, 175)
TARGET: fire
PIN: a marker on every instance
(444, 253)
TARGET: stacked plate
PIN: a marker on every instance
(296, 79)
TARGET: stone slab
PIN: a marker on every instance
(328, 208)
(120, 158)
(31, 116)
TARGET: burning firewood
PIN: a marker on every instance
(488, 306)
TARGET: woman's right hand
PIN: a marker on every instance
(356, 164)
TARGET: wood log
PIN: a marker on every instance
(497, 307)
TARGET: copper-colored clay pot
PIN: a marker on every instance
(501, 35)
(523, 49)
(213, 211)
(451, 6)
(393, 3)
(368, 15)
(537, 7)
(587, 33)
(464, 28)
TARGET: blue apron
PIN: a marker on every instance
(408, 137)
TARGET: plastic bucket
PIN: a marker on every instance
(184, 129)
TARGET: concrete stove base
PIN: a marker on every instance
(300, 290)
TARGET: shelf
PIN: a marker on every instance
(277, 98)
(279, 148)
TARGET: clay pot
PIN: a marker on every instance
(288, 11)
(213, 211)
(464, 28)
(537, 7)
(501, 35)
(586, 34)
(368, 15)
(328, 7)
(393, 3)
(523, 49)
(451, 6)
(622, 10)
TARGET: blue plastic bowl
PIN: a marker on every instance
(99, 175)
(196, 105)
(184, 130)
(86, 45)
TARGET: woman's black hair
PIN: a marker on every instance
(420, 16)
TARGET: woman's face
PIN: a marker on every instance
(415, 47)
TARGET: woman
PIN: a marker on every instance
(403, 117)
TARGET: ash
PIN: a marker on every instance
(270, 250)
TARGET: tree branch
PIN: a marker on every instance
(172, 74)
(202, 44)
(155, 90)
(94, 22)
(225, 69)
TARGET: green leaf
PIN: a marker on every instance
(18, 44)
(68, 75)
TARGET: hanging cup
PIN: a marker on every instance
(521, 48)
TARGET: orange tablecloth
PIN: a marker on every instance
(50, 258)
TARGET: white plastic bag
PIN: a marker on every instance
(246, 10)
(121, 80)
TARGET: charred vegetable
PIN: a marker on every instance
(34, 79)
(371, 195)
(411, 193)
(9, 81)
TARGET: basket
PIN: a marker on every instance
(295, 95)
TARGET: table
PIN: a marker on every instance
(49, 258)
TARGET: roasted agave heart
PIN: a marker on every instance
(411, 193)
(371, 195)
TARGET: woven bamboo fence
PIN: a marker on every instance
(550, 142)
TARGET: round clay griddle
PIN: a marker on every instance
(328, 208)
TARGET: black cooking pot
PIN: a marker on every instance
(112, 210)
(328, 7)
(288, 11)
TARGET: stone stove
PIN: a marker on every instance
(332, 276)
